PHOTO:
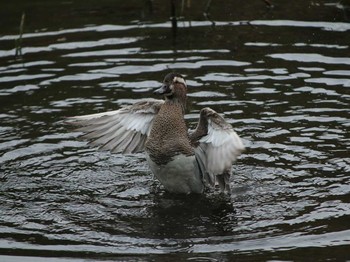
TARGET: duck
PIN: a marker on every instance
(183, 161)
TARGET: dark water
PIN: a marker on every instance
(280, 75)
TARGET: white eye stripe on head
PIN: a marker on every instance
(179, 79)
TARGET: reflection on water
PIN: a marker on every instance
(283, 85)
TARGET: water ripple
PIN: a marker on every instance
(307, 58)
(287, 99)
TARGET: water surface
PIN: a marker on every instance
(280, 78)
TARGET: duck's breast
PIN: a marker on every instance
(180, 175)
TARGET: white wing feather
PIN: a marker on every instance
(219, 147)
(120, 131)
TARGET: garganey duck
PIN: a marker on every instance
(183, 162)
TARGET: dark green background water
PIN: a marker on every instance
(280, 76)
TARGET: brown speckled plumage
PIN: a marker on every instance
(169, 136)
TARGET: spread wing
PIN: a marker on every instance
(217, 147)
(120, 131)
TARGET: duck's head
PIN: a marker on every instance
(174, 86)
